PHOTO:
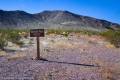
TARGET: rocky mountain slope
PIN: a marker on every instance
(52, 19)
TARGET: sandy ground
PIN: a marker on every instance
(76, 57)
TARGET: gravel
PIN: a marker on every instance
(71, 58)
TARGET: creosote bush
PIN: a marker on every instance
(66, 32)
(113, 37)
(11, 35)
(3, 41)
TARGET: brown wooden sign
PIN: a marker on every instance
(37, 33)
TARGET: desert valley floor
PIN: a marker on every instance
(76, 57)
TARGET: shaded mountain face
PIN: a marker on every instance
(52, 19)
(15, 19)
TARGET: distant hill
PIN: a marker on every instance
(53, 19)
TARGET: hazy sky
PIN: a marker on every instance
(103, 9)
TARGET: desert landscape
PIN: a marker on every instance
(73, 57)
(59, 39)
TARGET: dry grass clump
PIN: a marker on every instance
(62, 44)
(110, 45)
(3, 53)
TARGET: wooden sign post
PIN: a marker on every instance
(37, 33)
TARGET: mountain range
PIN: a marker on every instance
(53, 19)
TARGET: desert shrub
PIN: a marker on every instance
(3, 41)
(66, 32)
(11, 35)
(58, 31)
(113, 37)
(20, 43)
(55, 31)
